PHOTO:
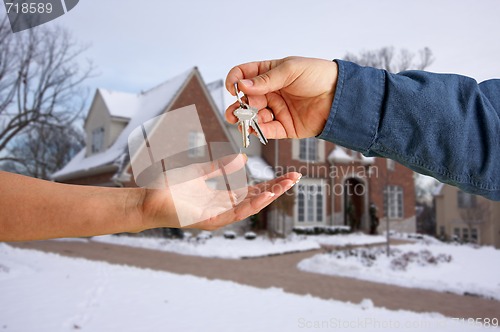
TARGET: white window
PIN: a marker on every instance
(391, 164)
(308, 149)
(310, 203)
(97, 139)
(196, 144)
(393, 202)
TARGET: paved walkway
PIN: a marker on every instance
(281, 272)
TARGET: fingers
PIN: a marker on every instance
(286, 179)
(256, 203)
(260, 78)
(247, 70)
(248, 206)
(251, 205)
(265, 114)
(273, 130)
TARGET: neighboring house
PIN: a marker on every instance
(338, 186)
(464, 217)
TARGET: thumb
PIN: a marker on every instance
(272, 80)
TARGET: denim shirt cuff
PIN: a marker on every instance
(356, 109)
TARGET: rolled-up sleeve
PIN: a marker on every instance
(443, 125)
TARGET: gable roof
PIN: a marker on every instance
(150, 103)
(121, 104)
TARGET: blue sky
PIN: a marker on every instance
(138, 44)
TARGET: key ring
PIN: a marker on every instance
(237, 92)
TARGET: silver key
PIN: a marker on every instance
(247, 117)
(256, 127)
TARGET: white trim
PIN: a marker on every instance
(390, 165)
(398, 190)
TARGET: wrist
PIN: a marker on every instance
(156, 209)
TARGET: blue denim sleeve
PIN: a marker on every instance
(443, 125)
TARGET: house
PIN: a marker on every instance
(464, 217)
(339, 186)
(114, 115)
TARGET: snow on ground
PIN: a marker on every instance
(216, 246)
(471, 270)
(414, 237)
(240, 247)
(353, 239)
(48, 293)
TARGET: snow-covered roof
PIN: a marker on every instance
(259, 170)
(339, 154)
(150, 104)
(121, 104)
(437, 190)
(367, 160)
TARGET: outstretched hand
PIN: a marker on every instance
(294, 94)
(188, 201)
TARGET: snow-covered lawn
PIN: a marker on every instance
(471, 270)
(216, 246)
(48, 293)
(240, 247)
(347, 239)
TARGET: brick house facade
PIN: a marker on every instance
(344, 185)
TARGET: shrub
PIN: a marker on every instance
(230, 235)
(317, 230)
(250, 236)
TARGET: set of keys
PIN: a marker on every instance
(247, 118)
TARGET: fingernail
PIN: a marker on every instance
(300, 177)
(247, 82)
(246, 157)
(270, 194)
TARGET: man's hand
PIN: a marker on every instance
(294, 95)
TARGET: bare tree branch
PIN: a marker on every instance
(386, 58)
(40, 80)
(43, 150)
